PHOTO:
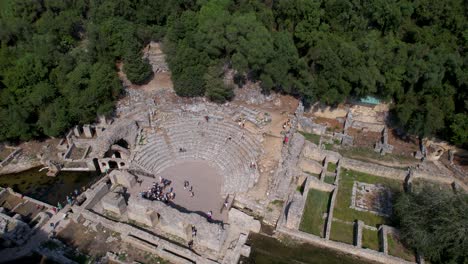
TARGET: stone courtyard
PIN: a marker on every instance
(374, 198)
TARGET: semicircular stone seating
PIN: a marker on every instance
(223, 143)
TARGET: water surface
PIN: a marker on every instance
(51, 190)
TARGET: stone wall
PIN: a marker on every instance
(140, 237)
(311, 151)
(306, 125)
(374, 169)
(124, 129)
(172, 221)
(287, 168)
(294, 210)
(368, 254)
(315, 183)
(95, 194)
(311, 166)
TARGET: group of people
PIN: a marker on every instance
(241, 122)
(157, 191)
(190, 188)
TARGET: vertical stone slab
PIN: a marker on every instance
(323, 174)
(88, 131)
(76, 131)
(330, 214)
(383, 239)
(358, 233)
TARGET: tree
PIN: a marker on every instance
(138, 70)
(435, 223)
(459, 129)
(216, 90)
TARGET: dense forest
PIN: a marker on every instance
(435, 223)
(57, 57)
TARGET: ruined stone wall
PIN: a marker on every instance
(123, 129)
(346, 248)
(311, 151)
(330, 210)
(374, 169)
(315, 183)
(95, 194)
(294, 211)
(209, 235)
(288, 167)
(127, 231)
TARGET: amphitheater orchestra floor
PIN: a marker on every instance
(206, 181)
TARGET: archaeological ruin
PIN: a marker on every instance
(188, 180)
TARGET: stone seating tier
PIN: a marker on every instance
(203, 141)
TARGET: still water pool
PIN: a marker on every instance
(51, 190)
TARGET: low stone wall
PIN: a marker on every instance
(368, 254)
(28, 198)
(374, 169)
(127, 231)
(315, 183)
(10, 157)
(311, 151)
(311, 166)
(68, 152)
(383, 239)
(358, 233)
(294, 210)
(330, 213)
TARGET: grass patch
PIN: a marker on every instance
(361, 153)
(278, 202)
(370, 239)
(329, 179)
(331, 167)
(314, 138)
(397, 249)
(342, 232)
(328, 146)
(420, 184)
(300, 188)
(343, 200)
(316, 205)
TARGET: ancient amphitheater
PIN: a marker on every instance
(225, 169)
(218, 141)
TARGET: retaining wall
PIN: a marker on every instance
(368, 254)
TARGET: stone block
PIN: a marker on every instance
(114, 202)
(123, 178)
(310, 166)
(88, 131)
(76, 131)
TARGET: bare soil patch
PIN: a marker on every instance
(97, 244)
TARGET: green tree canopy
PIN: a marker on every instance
(435, 223)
